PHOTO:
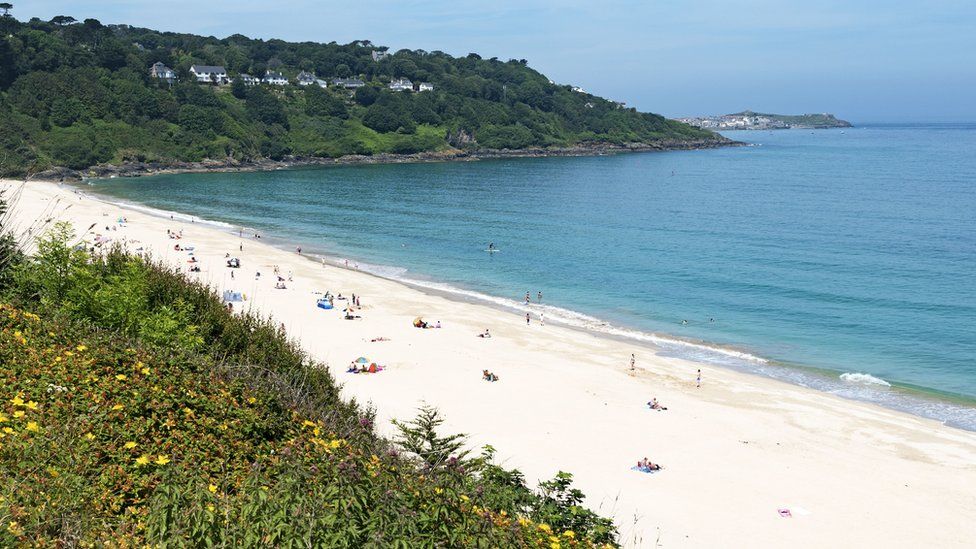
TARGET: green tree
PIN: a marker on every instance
(319, 102)
(366, 95)
(63, 20)
(6, 7)
(264, 106)
(238, 88)
(419, 437)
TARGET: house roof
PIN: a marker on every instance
(271, 74)
(304, 75)
(200, 69)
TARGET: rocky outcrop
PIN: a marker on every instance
(137, 169)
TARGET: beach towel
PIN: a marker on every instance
(644, 470)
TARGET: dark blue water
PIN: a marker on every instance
(809, 255)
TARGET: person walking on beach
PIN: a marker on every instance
(542, 319)
(539, 297)
(698, 379)
(632, 362)
(526, 319)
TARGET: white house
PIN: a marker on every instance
(210, 74)
(401, 84)
(379, 55)
(162, 72)
(426, 87)
(348, 83)
(275, 79)
(249, 80)
(305, 78)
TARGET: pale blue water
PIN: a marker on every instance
(822, 252)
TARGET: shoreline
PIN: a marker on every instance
(145, 169)
(918, 401)
(734, 450)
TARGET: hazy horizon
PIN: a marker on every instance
(875, 62)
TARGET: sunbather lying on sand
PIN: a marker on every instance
(655, 405)
(488, 376)
(381, 338)
(485, 335)
(646, 466)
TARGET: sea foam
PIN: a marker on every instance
(863, 378)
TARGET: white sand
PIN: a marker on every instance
(734, 451)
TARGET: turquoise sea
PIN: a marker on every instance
(840, 260)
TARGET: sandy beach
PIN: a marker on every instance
(735, 452)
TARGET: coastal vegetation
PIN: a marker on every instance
(79, 93)
(135, 409)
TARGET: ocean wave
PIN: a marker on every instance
(166, 214)
(863, 378)
(701, 351)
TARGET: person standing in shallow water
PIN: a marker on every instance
(527, 298)
(539, 297)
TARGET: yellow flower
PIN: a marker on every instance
(19, 413)
(212, 488)
(210, 508)
(307, 423)
(89, 436)
(120, 377)
(118, 407)
(162, 460)
(142, 460)
(3, 418)
(14, 528)
(33, 427)
(81, 348)
(52, 334)
(252, 400)
(438, 491)
(32, 405)
(17, 401)
(145, 371)
(545, 527)
(53, 472)
(130, 445)
(68, 353)
(8, 430)
(569, 534)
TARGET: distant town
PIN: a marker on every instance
(749, 120)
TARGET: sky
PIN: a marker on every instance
(863, 60)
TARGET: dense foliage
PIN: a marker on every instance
(76, 94)
(135, 409)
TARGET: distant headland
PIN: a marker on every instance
(749, 120)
